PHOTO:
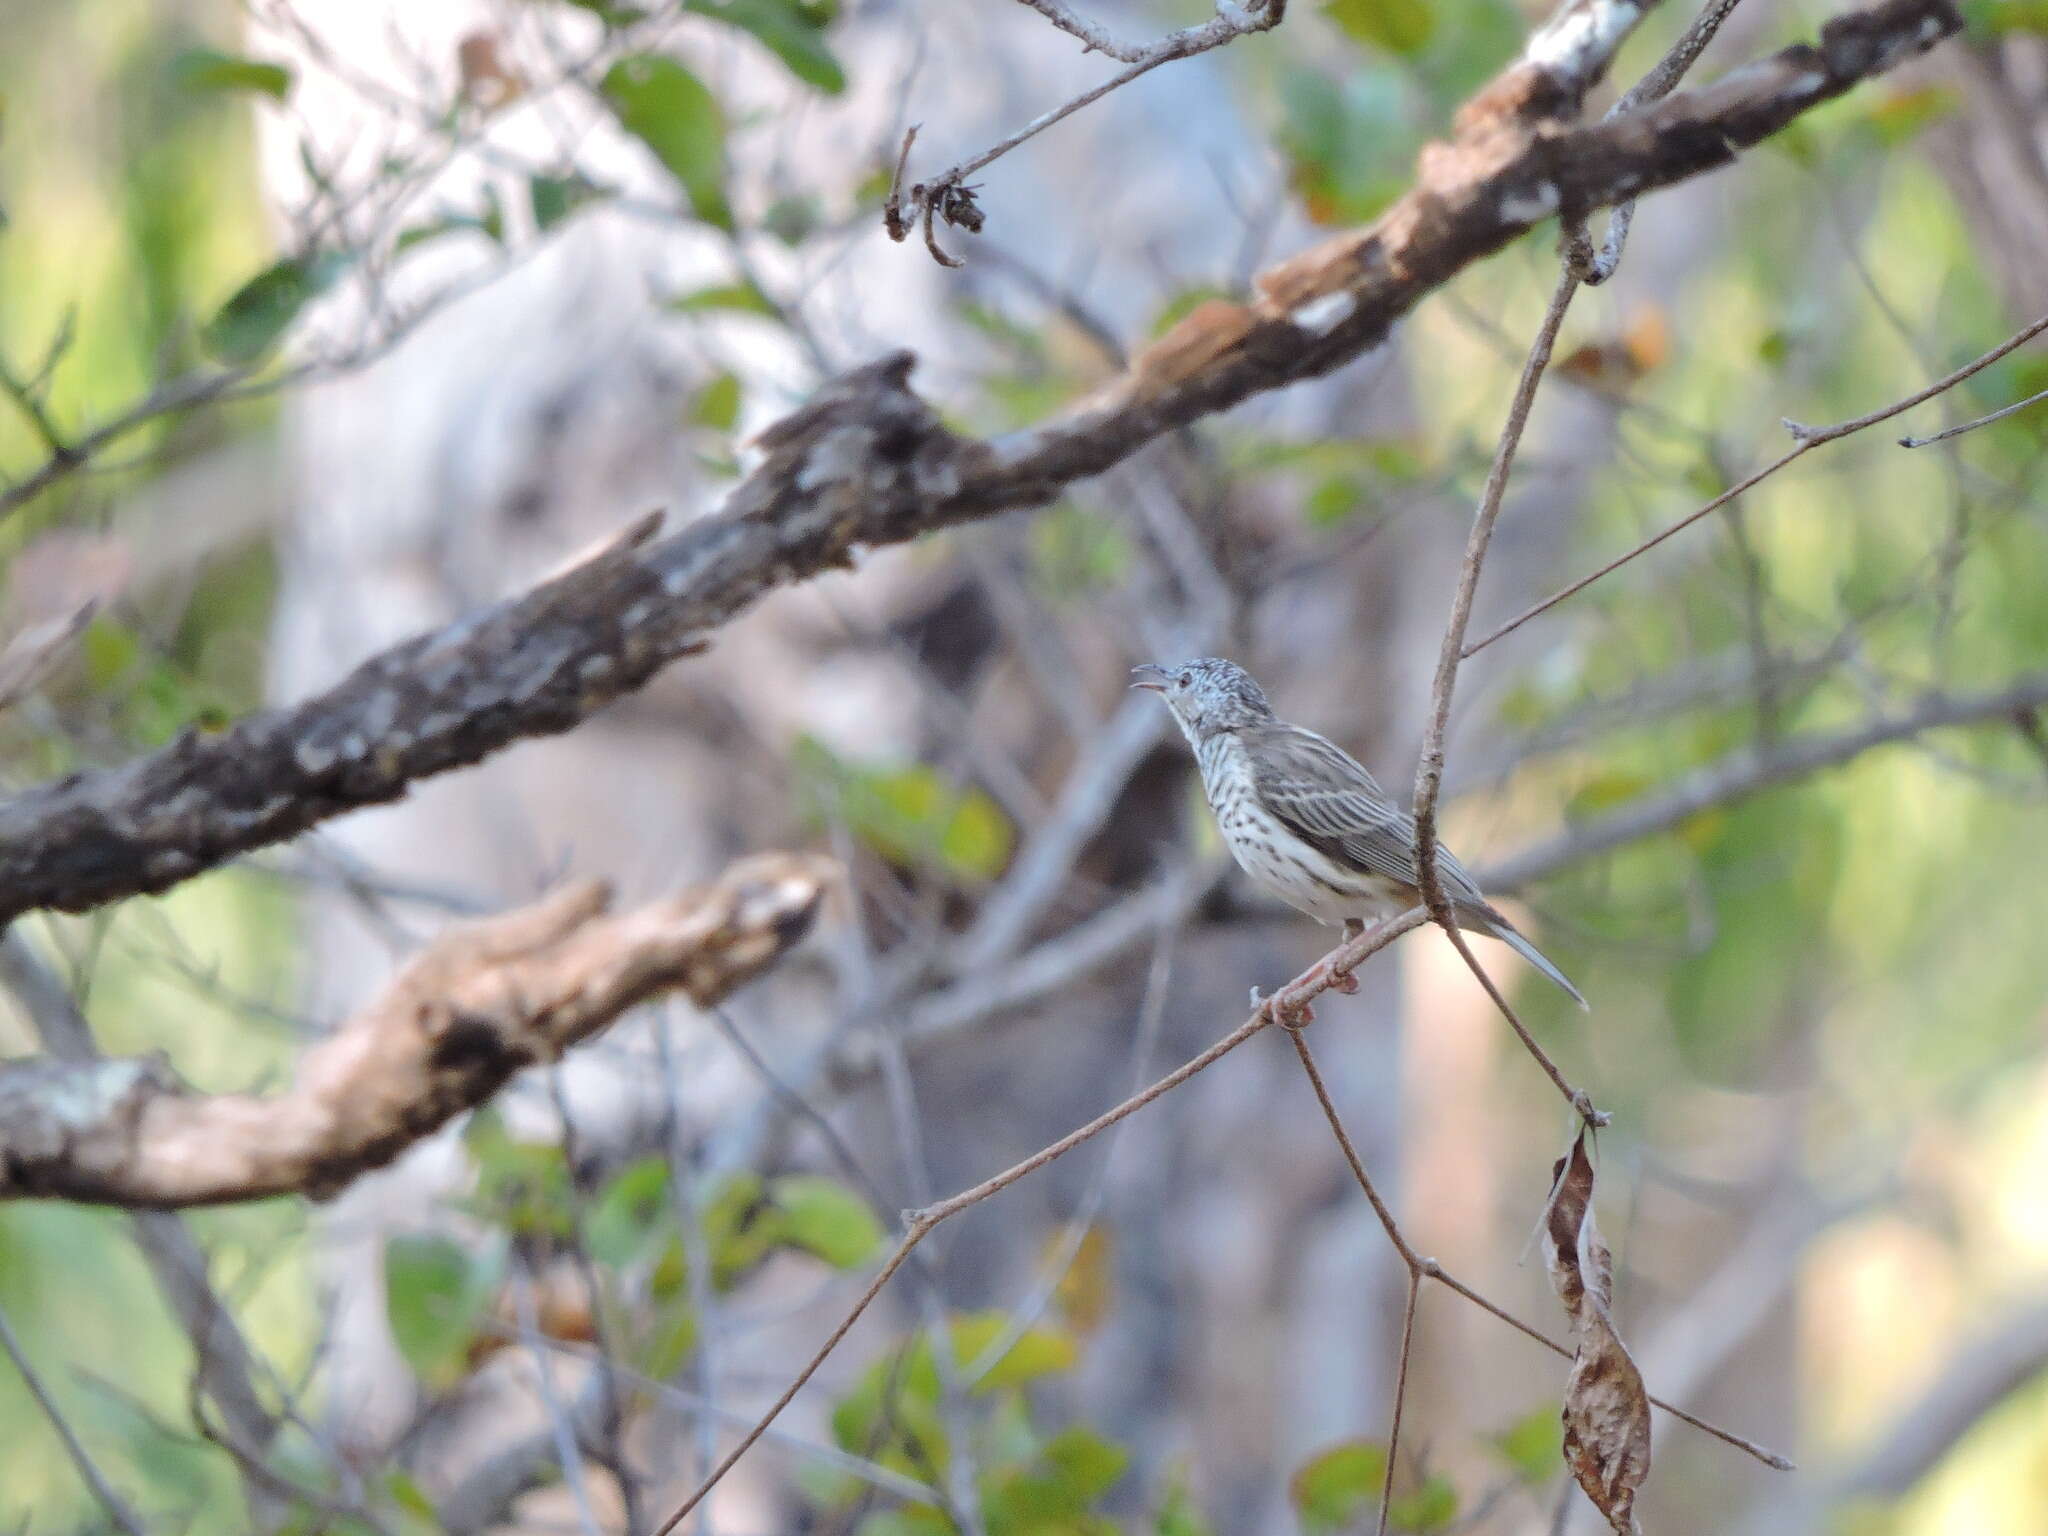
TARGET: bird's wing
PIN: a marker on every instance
(1324, 796)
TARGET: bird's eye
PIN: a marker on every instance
(1186, 678)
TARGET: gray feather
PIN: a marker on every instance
(1323, 795)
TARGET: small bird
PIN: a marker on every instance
(1304, 818)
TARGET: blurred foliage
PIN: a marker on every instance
(909, 815)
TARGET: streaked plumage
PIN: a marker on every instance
(1303, 817)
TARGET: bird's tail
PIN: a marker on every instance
(1500, 928)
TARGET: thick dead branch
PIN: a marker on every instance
(868, 463)
(483, 1001)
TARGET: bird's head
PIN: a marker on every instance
(1206, 695)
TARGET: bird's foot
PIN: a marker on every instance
(1345, 982)
(1353, 927)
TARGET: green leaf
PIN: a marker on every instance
(910, 1520)
(554, 198)
(434, 229)
(825, 1218)
(1085, 1462)
(1335, 1488)
(522, 1186)
(1901, 115)
(789, 31)
(111, 650)
(1177, 1513)
(909, 815)
(740, 1227)
(630, 1213)
(1039, 1351)
(434, 1292)
(1429, 1508)
(1401, 27)
(1349, 144)
(256, 318)
(1332, 502)
(1533, 1445)
(667, 1340)
(717, 404)
(405, 1491)
(792, 219)
(613, 13)
(672, 112)
(892, 1414)
(203, 69)
(742, 297)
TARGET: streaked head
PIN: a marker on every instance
(1207, 695)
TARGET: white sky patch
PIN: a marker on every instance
(1320, 316)
(1589, 33)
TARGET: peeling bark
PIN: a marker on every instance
(481, 1002)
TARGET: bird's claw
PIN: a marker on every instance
(1345, 982)
(1293, 1014)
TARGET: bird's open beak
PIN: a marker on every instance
(1150, 677)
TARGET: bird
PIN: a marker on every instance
(1304, 819)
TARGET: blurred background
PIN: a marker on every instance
(400, 307)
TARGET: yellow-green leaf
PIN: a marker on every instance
(1333, 1489)
(204, 69)
(256, 318)
(1401, 27)
(675, 115)
(824, 1217)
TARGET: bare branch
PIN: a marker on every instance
(1429, 772)
(1805, 440)
(483, 1001)
(868, 463)
(1971, 426)
(1661, 81)
(1289, 1001)
(945, 197)
(1419, 1267)
(1755, 768)
(117, 1508)
(1982, 1375)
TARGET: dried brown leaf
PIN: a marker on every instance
(1606, 1409)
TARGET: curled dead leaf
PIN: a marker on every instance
(1606, 1408)
(487, 79)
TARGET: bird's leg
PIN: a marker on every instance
(1345, 981)
(1288, 1015)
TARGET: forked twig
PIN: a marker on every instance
(1420, 1267)
(1319, 978)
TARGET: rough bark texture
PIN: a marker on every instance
(868, 463)
(483, 1001)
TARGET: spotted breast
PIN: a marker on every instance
(1279, 861)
